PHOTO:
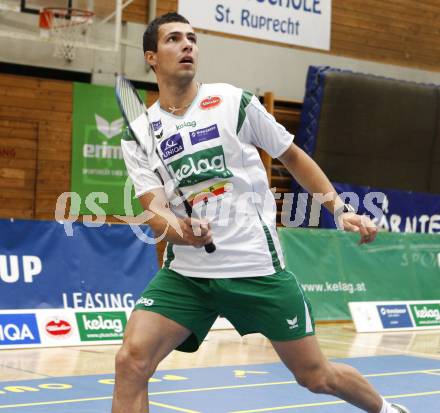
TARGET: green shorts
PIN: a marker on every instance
(273, 305)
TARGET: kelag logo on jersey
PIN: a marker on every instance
(18, 329)
(187, 124)
(200, 166)
(172, 146)
(206, 134)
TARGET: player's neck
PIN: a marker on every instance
(175, 98)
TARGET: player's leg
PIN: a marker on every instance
(149, 338)
(303, 357)
(173, 312)
(275, 306)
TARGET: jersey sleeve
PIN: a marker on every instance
(143, 178)
(260, 128)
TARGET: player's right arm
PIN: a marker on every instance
(168, 226)
(149, 189)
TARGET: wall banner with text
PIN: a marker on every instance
(304, 23)
(97, 163)
(96, 267)
(372, 316)
(391, 209)
(334, 269)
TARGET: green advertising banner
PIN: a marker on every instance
(334, 269)
(97, 163)
(108, 325)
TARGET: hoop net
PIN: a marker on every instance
(66, 26)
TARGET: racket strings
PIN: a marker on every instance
(132, 105)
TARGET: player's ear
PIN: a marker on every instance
(150, 58)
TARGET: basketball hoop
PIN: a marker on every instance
(66, 26)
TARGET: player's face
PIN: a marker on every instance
(177, 51)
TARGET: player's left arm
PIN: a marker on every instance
(311, 177)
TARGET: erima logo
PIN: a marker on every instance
(147, 302)
(293, 323)
(109, 129)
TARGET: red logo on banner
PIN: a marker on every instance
(210, 102)
(58, 328)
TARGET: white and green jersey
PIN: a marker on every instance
(212, 153)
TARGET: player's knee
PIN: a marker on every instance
(131, 361)
(312, 383)
(319, 380)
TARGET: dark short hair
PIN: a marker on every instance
(150, 34)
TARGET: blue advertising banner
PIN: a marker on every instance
(105, 266)
(391, 210)
(394, 316)
(19, 329)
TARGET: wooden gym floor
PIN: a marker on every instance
(222, 347)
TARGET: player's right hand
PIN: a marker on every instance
(196, 232)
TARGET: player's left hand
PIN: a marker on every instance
(352, 222)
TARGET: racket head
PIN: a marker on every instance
(135, 114)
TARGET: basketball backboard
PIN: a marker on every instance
(20, 19)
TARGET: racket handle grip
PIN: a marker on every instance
(210, 248)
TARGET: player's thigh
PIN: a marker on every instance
(273, 305)
(151, 336)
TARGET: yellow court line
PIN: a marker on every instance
(384, 348)
(177, 409)
(89, 399)
(402, 373)
(6, 406)
(298, 406)
(293, 406)
(238, 386)
(401, 396)
(203, 389)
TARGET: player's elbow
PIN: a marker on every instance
(291, 155)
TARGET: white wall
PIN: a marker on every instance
(250, 65)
